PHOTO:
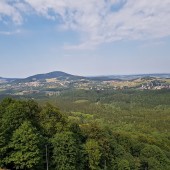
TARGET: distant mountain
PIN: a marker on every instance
(131, 77)
(7, 80)
(104, 78)
(56, 74)
(2, 80)
(65, 76)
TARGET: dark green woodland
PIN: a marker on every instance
(87, 130)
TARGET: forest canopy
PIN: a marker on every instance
(27, 129)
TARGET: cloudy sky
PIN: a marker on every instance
(84, 37)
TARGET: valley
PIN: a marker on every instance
(125, 118)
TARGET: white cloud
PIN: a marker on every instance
(8, 10)
(101, 21)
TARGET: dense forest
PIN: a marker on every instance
(90, 130)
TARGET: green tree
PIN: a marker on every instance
(3, 148)
(51, 120)
(94, 154)
(12, 114)
(123, 164)
(15, 113)
(25, 148)
(153, 157)
(65, 151)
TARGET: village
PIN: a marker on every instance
(53, 86)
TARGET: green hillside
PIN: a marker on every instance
(94, 130)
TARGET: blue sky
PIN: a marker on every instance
(87, 37)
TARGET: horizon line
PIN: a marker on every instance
(104, 75)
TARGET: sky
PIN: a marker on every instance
(84, 37)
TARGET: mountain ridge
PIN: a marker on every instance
(66, 76)
(55, 74)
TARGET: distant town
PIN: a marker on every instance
(52, 84)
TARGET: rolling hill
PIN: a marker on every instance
(65, 76)
(56, 74)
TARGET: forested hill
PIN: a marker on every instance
(56, 74)
(27, 129)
